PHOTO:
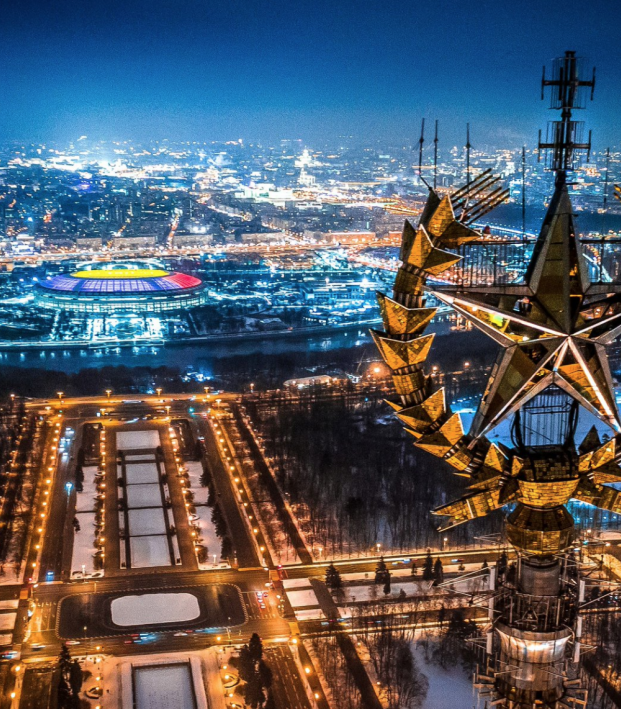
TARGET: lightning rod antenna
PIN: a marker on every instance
(523, 192)
(468, 146)
(435, 158)
(421, 141)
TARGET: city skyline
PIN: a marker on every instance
(233, 70)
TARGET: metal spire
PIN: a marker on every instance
(523, 191)
(435, 158)
(421, 141)
(564, 137)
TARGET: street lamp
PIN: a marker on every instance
(68, 488)
(108, 392)
(60, 395)
(158, 391)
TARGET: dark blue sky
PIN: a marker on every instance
(222, 69)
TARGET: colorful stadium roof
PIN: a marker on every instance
(120, 279)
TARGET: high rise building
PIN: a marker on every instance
(553, 327)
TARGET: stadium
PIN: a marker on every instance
(126, 287)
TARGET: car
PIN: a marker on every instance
(72, 642)
(259, 594)
(36, 647)
(262, 605)
(10, 655)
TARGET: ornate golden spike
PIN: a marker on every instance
(422, 416)
(403, 353)
(408, 283)
(446, 230)
(424, 256)
(604, 454)
(399, 320)
(607, 474)
(412, 386)
(440, 442)
(496, 459)
(470, 506)
(606, 498)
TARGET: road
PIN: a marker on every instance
(248, 575)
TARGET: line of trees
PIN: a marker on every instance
(256, 675)
(364, 477)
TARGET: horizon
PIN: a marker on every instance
(140, 71)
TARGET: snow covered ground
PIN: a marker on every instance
(299, 599)
(164, 687)
(138, 440)
(138, 473)
(447, 689)
(7, 621)
(210, 539)
(149, 551)
(148, 495)
(84, 545)
(85, 500)
(83, 553)
(154, 608)
(146, 521)
(195, 471)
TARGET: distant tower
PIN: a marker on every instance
(553, 329)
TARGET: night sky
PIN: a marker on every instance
(228, 69)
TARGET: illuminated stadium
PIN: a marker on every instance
(127, 287)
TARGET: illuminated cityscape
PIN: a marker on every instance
(270, 273)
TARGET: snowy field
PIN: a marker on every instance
(7, 621)
(154, 609)
(138, 440)
(146, 521)
(164, 687)
(447, 690)
(210, 539)
(148, 495)
(85, 500)
(149, 551)
(299, 599)
(141, 473)
(84, 545)
(195, 471)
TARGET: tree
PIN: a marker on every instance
(428, 567)
(387, 583)
(227, 548)
(255, 647)
(253, 692)
(246, 665)
(265, 674)
(333, 578)
(79, 479)
(75, 678)
(414, 568)
(485, 565)
(381, 571)
(438, 572)
(271, 702)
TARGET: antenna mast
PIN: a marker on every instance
(435, 158)
(523, 191)
(468, 146)
(564, 137)
(421, 141)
